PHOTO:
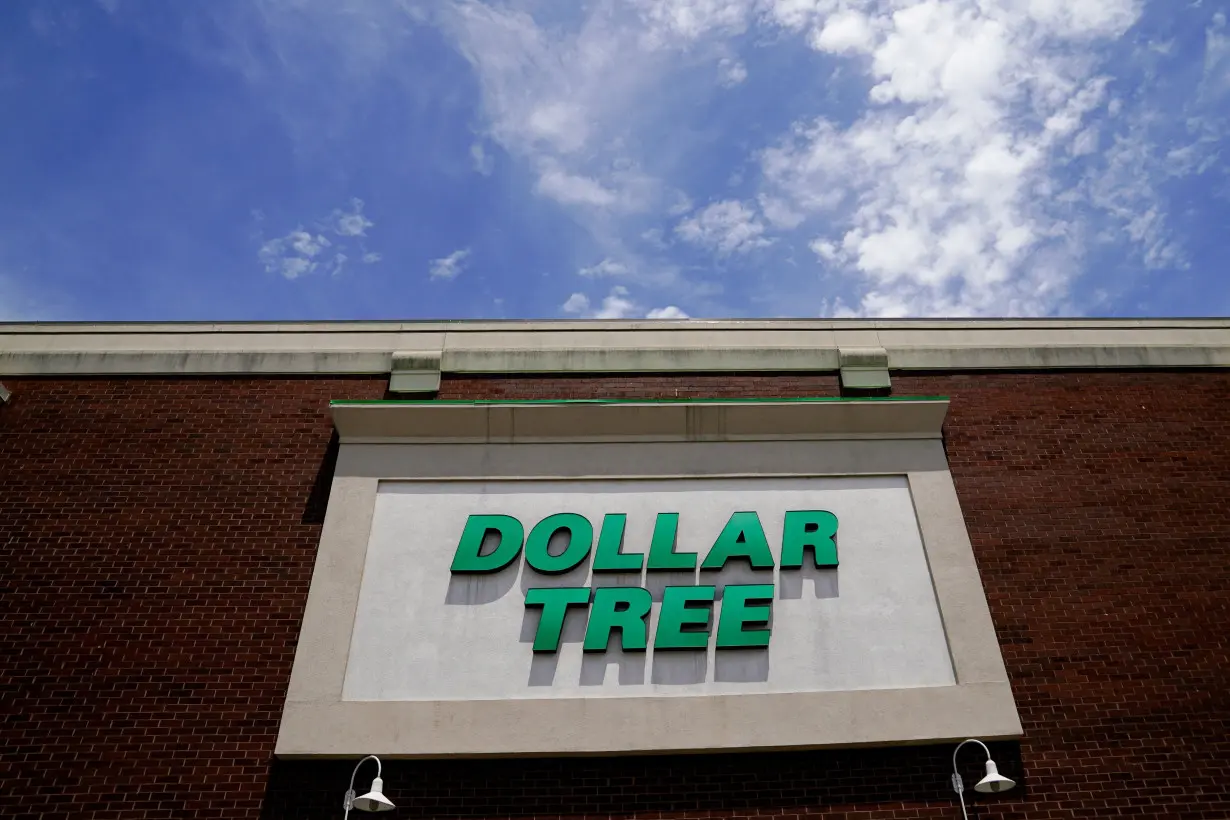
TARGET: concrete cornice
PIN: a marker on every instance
(606, 347)
(573, 422)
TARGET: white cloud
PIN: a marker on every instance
(686, 20)
(564, 99)
(352, 222)
(828, 252)
(617, 304)
(779, 213)
(607, 267)
(978, 172)
(654, 238)
(1216, 80)
(299, 252)
(574, 189)
(447, 267)
(845, 31)
(941, 196)
(683, 204)
(306, 244)
(339, 261)
(668, 312)
(292, 255)
(538, 91)
(480, 160)
(1125, 190)
(726, 227)
(576, 303)
(290, 267)
(1086, 142)
(563, 125)
(732, 72)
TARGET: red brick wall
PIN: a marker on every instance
(693, 386)
(156, 544)
(157, 538)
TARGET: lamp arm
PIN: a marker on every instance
(350, 792)
(957, 785)
(378, 768)
(962, 743)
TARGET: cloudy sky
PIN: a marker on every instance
(320, 159)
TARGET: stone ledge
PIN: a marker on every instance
(512, 423)
(608, 348)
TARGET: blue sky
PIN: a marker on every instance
(407, 159)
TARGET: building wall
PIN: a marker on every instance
(157, 539)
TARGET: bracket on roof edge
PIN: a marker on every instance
(864, 370)
(415, 372)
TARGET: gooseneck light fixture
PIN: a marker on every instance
(994, 782)
(374, 800)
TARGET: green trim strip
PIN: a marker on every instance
(482, 402)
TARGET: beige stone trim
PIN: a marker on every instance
(954, 574)
(606, 347)
(317, 722)
(328, 620)
(640, 460)
(598, 726)
(632, 421)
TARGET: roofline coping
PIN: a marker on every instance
(791, 345)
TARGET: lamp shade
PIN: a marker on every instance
(994, 781)
(375, 799)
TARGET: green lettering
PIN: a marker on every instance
(662, 555)
(580, 539)
(608, 558)
(622, 608)
(554, 602)
(681, 626)
(814, 530)
(743, 606)
(742, 537)
(467, 557)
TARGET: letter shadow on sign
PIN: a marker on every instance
(657, 581)
(741, 665)
(544, 664)
(469, 588)
(735, 573)
(678, 666)
(578, 576)
(823, 581)
(616, 579)
(480, 588)
(630, 665)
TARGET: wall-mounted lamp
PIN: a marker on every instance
(993, 783)
(374, 800)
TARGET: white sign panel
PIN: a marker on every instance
(423, 632)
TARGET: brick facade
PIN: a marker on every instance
(157, 539)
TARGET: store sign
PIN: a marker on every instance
(508, 588)
(642, 578)
(689, 614)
